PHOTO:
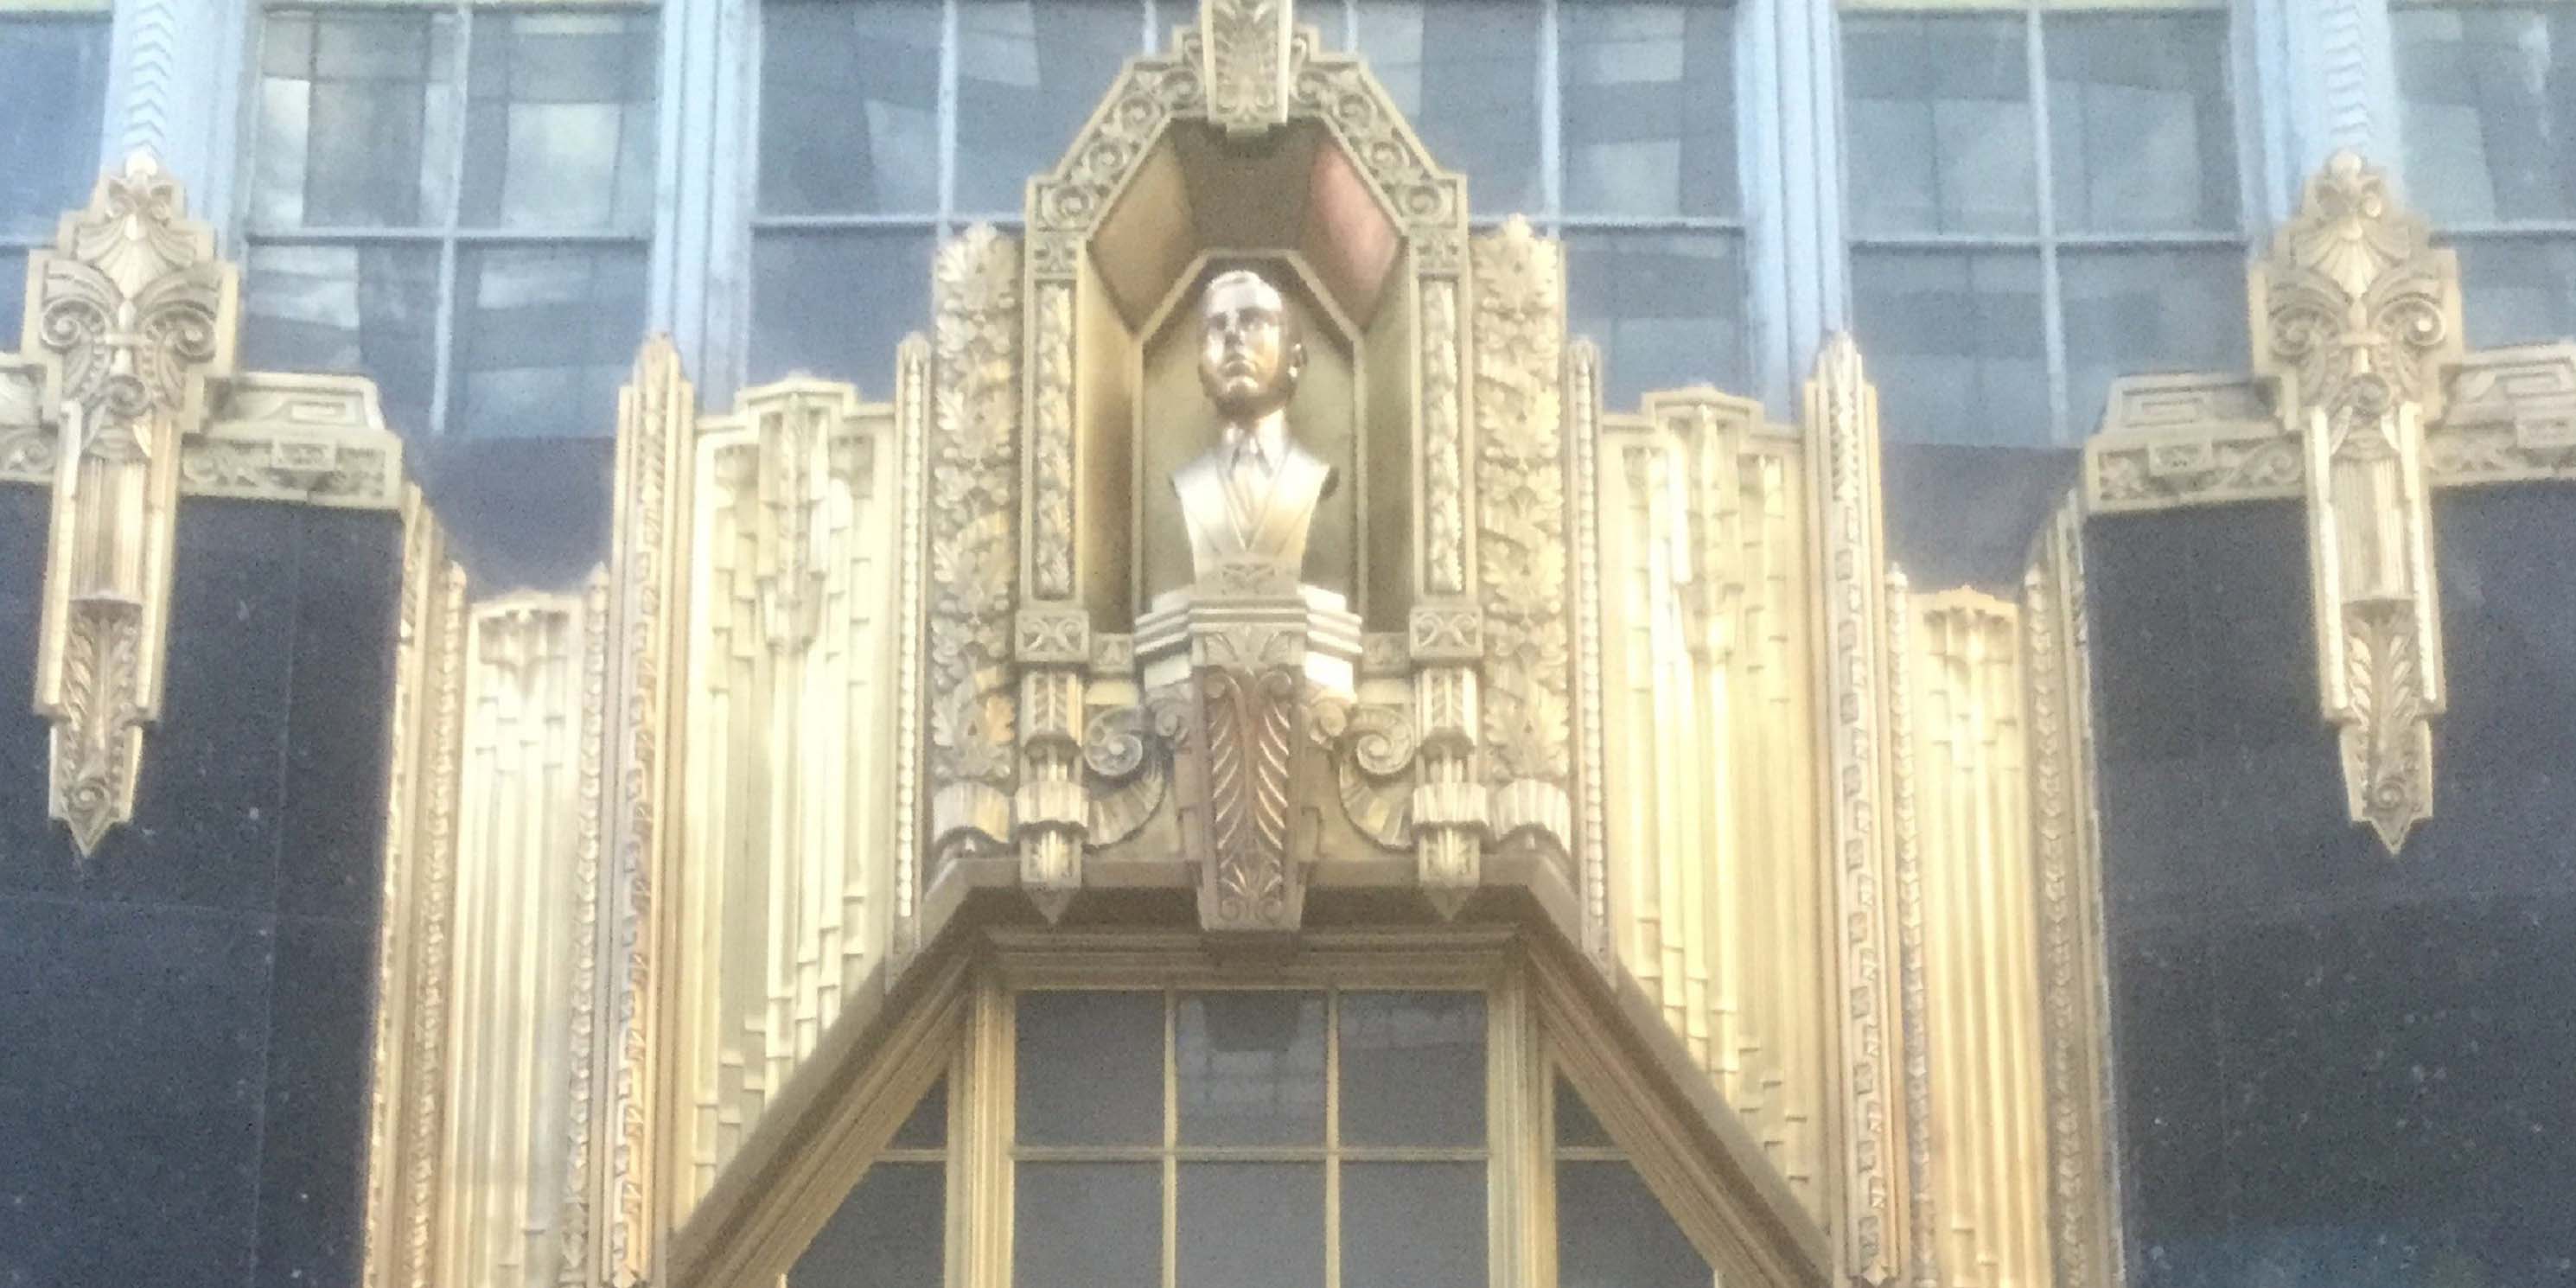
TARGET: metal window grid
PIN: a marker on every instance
(1331, 1153)
(2048, 241)
(451, 233)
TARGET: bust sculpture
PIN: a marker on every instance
(1250, 498)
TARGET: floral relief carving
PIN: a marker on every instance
(974, 555)
(1527, 714)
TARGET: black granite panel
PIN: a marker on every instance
(312, 1165)
(26, 837)
(346, 604)
(2336, 1067)
(132, 1042)
(205, 826)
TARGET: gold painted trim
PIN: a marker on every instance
(2074, 955)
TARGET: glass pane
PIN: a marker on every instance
(1575, 1125)
(849, 107)
(560, 121)
(927, 1128)
(1022, 92)
(50, 102)
(1666, 308)
(356, 120)
(544, 336)
(1251, 1068)
(836, 303)
(1091, 1068)
(1939, 115)
(13, 296)
(2132, 312)
(2138, 120)
(1413, 1225)
(364, 310)
(2490, 121)
(1251, 1225)
(1611, 1233)
(1087, 1225)
(2518, 290)
(1413, 1069)
(1649, 108)
(1466, 73)
(889, 1233)
(1955, 344)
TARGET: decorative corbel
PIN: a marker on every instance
(1244, 53)
(129, 315)
(2358, 317)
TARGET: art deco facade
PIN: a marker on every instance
(1939, 657)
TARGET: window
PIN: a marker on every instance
(2490, 104)
(1257, 1138)
(456, 199)
(54, 89)
(1611, 1232)
(2040, 200)
(1611, 125)
(890, 1232)
(888, 124)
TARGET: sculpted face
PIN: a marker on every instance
(1249, 352)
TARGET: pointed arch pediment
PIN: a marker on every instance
(1376, 168)
(1551, 1013)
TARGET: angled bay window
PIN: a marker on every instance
(2490, 131)
(2042, 198)
(55, 59)
(888, 124)
(1611, 125)
(1265, 1138)
(1158, 1123)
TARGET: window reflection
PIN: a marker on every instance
(849, 107)
(50, 102)
(1251, 1068)
(1649, 109)
(1665, 308)
(1028, 74)
(544, 337)
(559, 122)
(363, 310)
(2518, 290)
(1988, 316)
(836, 302)
(2490, 94)
(1940, 125)
(1466, 72)
(13, 293)
(357, 113)
(2139, 126)
(1960, 337)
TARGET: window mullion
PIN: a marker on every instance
(1551, 124)
(950, 24)
(1333, 1138)
(443, 363)
(1171, 1137)
(2051, 296)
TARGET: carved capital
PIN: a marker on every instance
(1244, 52)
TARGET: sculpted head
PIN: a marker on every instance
(1250, 353)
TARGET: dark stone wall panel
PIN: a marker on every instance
(133, 1063)
(2335, 1066)
(186, 1018)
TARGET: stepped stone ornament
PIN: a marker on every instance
(2362, 400)
(130, 316)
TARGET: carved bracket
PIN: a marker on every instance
(130, 316)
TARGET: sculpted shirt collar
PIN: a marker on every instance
(1262, 444)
